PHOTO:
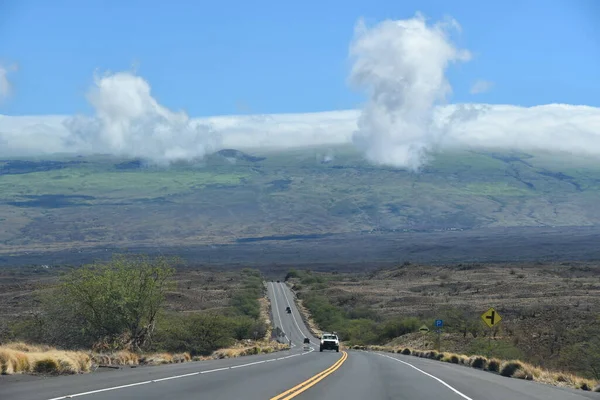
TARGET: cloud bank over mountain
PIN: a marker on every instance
(399, 65)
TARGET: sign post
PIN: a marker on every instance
(491, 318)
(439, 324)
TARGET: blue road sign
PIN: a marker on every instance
(439, 323)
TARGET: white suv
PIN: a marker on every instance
(329, 341)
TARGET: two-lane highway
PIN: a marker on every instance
(291, 324)
(281, 375)
(291, 374)
(369, 375)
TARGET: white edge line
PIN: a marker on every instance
(175, 377)
(464, 396)
(214, 370)
(246, 365)
(102, 390)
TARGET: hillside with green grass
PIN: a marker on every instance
(59, 202)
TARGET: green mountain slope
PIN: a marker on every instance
(231, 195)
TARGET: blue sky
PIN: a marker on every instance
(214, 58)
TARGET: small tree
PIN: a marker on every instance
(200, 334)
(583, 354)
(461, 321)
(117, 303)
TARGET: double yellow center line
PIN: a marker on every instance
(296, 390)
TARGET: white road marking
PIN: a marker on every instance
(464, 396)
(102, 390)
(175, 377)
(246, 365)
(290, 306)
(214, 370)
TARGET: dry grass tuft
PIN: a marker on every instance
(158, 359)
(478, 362)
(494, 365)
(265, 306)
(247, 348)
(42, 360)
(118, 358)
(451, 358)
(48, 360)
(563, 379)
(514, 369)
(28, 348)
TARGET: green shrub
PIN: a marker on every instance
(325, 314)
(496, 348)
(292, 273)
(246, 303)
(115, 304)
(359, 331)
(198, 334)
(398, 327)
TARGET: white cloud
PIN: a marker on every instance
(401, 67)
(552, 127)
(5, 85)
(399, 64)
(127, 121)
(481, 86)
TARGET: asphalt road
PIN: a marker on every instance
(362, 375)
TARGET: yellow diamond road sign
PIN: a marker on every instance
(424, 329)
(491, 317)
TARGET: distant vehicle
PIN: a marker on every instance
(306, 346)
(288, 310)
(277, 280)
(329, 341)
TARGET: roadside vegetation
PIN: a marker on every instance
(549, 313)
(133, 311)
(508, 368)
(355, 323)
